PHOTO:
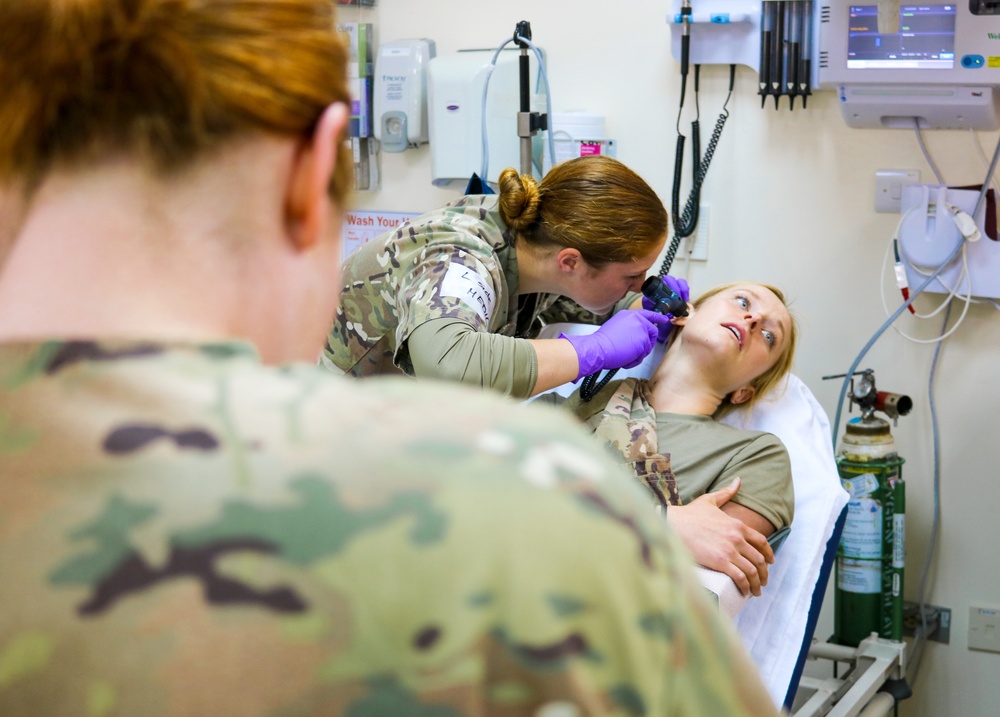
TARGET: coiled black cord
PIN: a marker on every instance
(688, 220)
(590, 386)
(688, 227)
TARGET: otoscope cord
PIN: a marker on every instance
(686, 224)
(688, 221)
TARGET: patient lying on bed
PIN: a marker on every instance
(737, 342)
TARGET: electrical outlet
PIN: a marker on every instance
(889, 188)
(984, 629)
(937, 618)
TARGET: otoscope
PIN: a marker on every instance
(666, 301)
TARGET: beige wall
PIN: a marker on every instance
(791, 203)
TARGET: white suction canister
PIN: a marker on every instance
(400, 101)
(577, 134)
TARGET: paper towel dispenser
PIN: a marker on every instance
(455, 107)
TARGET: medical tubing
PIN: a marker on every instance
(486, 84)
(943, 306)
(871, 342)
(923, 148)
(936, 520)
(982, 156)
(548, 100)
(913, 295)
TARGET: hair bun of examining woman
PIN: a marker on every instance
(520, 199)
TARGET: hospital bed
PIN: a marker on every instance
(778, 627)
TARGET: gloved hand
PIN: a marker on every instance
(623, 341)
(679, 287)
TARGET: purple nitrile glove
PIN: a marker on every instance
(623, 341)
(679, 287)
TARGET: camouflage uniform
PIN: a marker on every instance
(185, 532)
(458, 262)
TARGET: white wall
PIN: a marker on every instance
(791, 197)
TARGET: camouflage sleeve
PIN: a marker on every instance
(564, 309)
(448, 283)
(452, 350)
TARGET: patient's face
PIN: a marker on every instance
(740, 333)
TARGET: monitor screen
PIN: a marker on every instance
(926, 38)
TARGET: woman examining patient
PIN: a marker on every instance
(736, 343)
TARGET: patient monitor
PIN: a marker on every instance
(901, 65)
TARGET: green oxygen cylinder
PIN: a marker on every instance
(869, 570)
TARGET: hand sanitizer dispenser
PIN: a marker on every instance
(400, 97)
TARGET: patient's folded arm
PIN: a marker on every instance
(723, 542)
(730, 598)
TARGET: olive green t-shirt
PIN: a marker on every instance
(706, 456)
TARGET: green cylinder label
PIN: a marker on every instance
(859, 576)
(862, 537)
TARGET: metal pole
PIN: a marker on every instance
(525, 128)
(525, 112)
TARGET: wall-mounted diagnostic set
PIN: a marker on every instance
(892, 64)
(776, 38)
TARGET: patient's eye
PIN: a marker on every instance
(743, 301)
(769, 337)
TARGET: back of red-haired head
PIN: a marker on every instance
(161, 80)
